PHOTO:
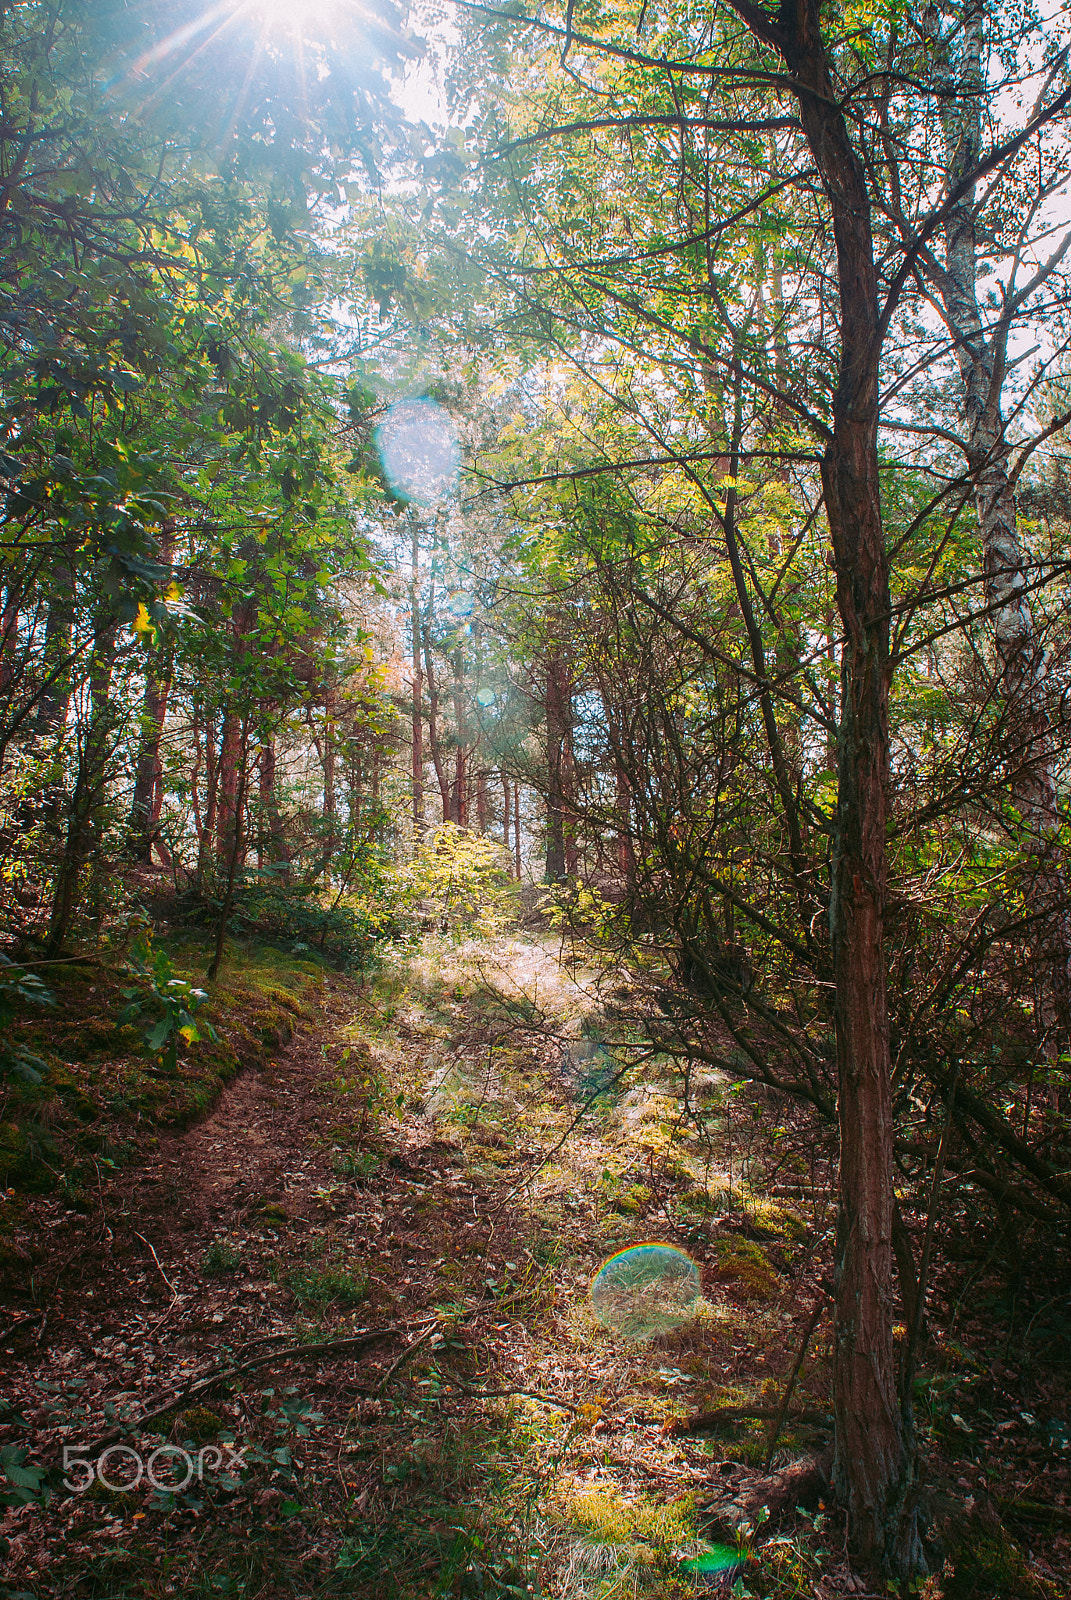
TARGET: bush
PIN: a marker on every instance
(461, 880)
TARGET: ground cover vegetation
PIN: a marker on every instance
(533, 718)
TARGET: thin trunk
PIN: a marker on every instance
(269, 809)
(84, 818)
(460, 806)
(433, 733)
(236, 853)
(505, 811)
(418, 715)
(556, 712)
(626, 859)
(147, 802)
(227, 788)
(981, 354)
(331, 831)
(204, 846)
(481, 800)
(9, 625)
(517, 827)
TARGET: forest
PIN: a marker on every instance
(535, 799)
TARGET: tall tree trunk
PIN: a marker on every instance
(331, 830)
(269, 809)
(227, 788)
(505, 811)
(147, 801)
(208, 829)
(481, 800)
(557, 714)
(84, 817)
(433, 732)
(9, 626)
(418, 714)
(236, 851)
(460, 805)
(874, 1461)
(517, 827)
(981, 354)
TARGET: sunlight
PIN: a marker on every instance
(294, 15)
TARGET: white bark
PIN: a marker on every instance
(981, 354)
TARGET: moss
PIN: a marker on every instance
(98, 1073)
(198, 1424)
(640, 1532)
(990, 1564)
(742, 1263)
(633, 1202)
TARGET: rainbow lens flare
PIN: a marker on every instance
(647, 1289)
(717, 1561)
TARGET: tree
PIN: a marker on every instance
(660, 266)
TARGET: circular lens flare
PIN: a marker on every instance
(647, 1289)
(417, 444)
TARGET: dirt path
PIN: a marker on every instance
(454, 1142)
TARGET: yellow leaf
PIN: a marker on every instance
(143, 622)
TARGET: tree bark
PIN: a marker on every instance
(84, 821)
(981, 355)
(873, 1469)
(433, 732)
(147, 801)
(517, 827)
(236, 853)
(227, 788)
(460, 802)
(269, 809)
(557, 714)
(418, 713)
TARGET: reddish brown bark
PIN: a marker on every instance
(433, 733)
(418, 712)
(873, 1465)
(460, 798)
(517, 827)
(559, 768)
(227, 788)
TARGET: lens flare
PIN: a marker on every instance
(647, 1289)
(718, 1560)
(417, 444)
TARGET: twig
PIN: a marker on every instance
(410, 1350)
(159, 1268)
(779, 1421)
(531, 1394)
(222, 1374)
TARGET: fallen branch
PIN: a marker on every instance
(1032, 1511)
(711, 1421)
(235, 1369)
(780, 1492)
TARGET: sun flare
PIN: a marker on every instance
(293, 14)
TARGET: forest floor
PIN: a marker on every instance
(433, 1169)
